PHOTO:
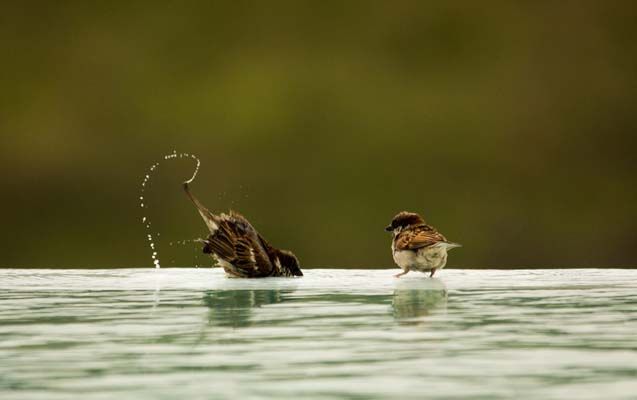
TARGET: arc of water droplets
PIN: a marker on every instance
(146, 181)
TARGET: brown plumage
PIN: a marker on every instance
(416, 245)
(421, 235)
(239, 249)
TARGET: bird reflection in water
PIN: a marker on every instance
(417, 298)
(234, 308)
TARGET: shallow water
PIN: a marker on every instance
(194, 334)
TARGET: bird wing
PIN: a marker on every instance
(238, 243)
(418, 237)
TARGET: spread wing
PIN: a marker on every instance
(418, 237)
(238, 243)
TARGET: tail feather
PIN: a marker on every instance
(209, 218)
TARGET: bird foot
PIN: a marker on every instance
(400, 274)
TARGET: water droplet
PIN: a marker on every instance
(145, 220)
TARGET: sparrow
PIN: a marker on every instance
(416, 245)
(239, 249)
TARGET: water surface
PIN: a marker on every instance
(194, 334)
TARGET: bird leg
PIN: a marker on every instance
(433, 271)
(402, 273)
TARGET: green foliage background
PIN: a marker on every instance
(509, 124)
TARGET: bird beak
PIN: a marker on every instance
(389, 228)
(452, 245)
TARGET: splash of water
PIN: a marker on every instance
(189, 242)
(143, 206)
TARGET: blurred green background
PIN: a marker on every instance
(510, 125)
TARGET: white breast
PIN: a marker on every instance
(405, 258)
(425, 259)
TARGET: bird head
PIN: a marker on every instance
(289, 262)
(402, 220)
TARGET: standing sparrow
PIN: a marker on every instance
(416, 245)
(240, 250)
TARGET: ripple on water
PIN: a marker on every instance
(192, 333)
